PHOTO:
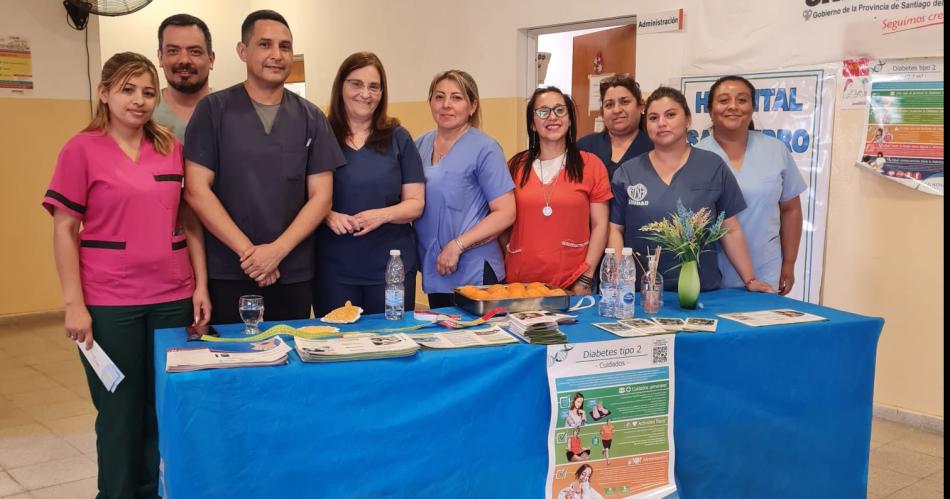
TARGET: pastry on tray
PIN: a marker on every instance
(346, 314)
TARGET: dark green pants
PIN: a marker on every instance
(126, 426)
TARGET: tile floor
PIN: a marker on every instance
(48, 447)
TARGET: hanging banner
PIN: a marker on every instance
(796, 107)
(904, 139)
(611, 429)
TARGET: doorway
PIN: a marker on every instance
(575, 57)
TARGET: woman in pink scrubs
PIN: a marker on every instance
(127, 272)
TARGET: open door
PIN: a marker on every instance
(617, 51)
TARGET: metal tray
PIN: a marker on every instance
(479, 307)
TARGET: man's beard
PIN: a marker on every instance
(188, 88)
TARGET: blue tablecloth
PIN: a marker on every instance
(773, 412)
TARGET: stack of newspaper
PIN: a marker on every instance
(353, 347)
(270, 352)
(538, 327)
(464, 338)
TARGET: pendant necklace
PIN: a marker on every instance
(547, 211)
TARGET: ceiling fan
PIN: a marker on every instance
(79, 10)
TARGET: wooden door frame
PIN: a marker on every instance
(528, 47)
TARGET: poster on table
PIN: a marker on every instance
(796, 107)
(903, 141)
(611, 428)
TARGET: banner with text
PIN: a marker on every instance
(796, 107)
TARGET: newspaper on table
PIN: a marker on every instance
(540, 327)
(489, 336)
(108, 372)
(270, 352)
(360, 347)
(772, 317)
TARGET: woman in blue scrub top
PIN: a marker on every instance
(376, 195)
(647, 188)
(770, 183)
(469, 198)
(623, 138)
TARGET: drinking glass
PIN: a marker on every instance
(251, 308)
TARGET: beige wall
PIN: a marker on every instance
(487, 38)
(884, 257)
(32, 130)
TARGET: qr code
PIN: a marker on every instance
(660, 352)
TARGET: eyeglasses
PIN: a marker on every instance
(359, 85)
(544, 112)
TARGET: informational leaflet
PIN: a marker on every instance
(611, 428)
(270, 352)
(463, 339)
(904, 137)
(772, 317)
(108, 372)
(353, 347)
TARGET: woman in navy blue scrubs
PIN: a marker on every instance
(624, 137)
(376, 195)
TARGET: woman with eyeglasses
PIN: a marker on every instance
(770, 181)
(376, 195)
(468, 193)
(561, 196)
(648, 188)
(623, 138)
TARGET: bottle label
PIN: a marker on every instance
(394, 297)
(629, 297)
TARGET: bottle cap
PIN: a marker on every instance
(627, 252)
(610, 251)
(394, 253)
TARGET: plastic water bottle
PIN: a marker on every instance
(608, 283)
(627, 289)
(395, 287)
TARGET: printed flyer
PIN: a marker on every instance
(904, 137)
(611, 429)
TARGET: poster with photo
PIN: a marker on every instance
(611, 428)
(903, 140)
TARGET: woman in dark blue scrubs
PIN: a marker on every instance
(647, 188)
(376, 195)
(623, 138)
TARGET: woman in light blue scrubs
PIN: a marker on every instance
(468, 198)
(377, 194)
(770, 183)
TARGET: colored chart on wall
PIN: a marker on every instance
(611, 428)
(904, 137)
(16, 65)
(797, 108)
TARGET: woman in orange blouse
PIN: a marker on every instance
(561, 196)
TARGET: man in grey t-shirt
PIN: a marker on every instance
(184, 53)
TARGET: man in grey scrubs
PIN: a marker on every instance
(259, 167)
(184, 53)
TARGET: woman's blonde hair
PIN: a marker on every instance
(115, 73)
(468, 86)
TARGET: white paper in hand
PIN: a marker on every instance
(107, 371)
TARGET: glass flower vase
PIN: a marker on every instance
(688, 285)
